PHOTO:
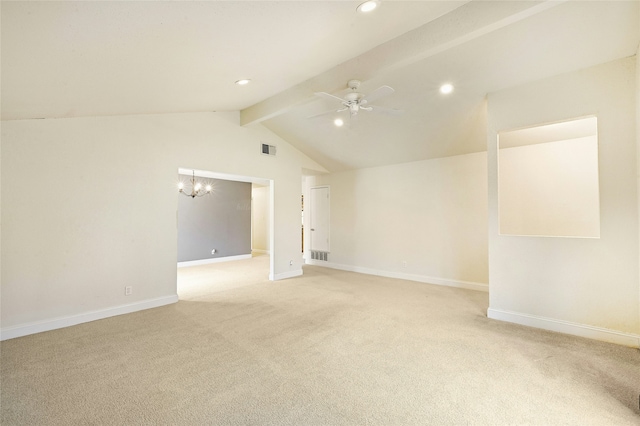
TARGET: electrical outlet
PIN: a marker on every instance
(128, 290)
(291, 263)
(404, 263)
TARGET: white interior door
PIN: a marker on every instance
(319, 219)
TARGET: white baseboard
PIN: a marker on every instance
(53, 324)
(469, 285)
(285, 275)
(566, 327)
(261, 251)
(213, 260)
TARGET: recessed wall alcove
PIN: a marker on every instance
(548, 180)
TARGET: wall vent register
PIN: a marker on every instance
(319, 255)
(268, 149)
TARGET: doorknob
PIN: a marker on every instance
(312, 229)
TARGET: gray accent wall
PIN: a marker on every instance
(221, 221)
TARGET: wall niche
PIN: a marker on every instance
(548, 180)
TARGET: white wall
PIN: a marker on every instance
(431, 214)
(90, 207)
(582, 286)
(637, 120)
(260, 218)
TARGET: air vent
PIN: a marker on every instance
(319, 255)
(268, 149)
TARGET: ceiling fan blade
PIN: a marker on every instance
(385, 110)
(380, 92)
(329, 96)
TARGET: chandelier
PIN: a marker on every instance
(197, 188)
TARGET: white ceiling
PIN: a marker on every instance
(71, 59)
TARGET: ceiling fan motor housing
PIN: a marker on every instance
(354, 101)
(354, 96)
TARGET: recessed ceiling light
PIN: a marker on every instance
(447, 88)
(368, 6)
(243, 82)
(338, 122)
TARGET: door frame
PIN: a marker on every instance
(309, 216)
(249, 179)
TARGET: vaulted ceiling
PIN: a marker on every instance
(74, 59)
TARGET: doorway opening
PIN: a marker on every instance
(215, 232)
(319, 223)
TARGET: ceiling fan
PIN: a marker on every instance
(355, 101)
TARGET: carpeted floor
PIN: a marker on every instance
(328, 348)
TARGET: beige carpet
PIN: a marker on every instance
(328, 348)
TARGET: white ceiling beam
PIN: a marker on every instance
(464, 24)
